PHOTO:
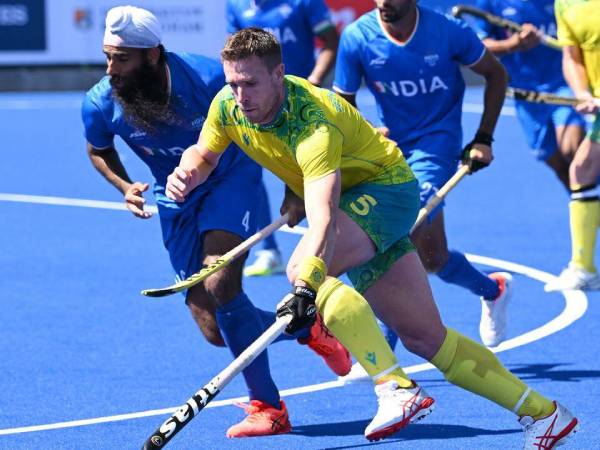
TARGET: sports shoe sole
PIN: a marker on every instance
(391, 429)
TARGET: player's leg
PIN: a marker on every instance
(268, 260)
(402, 297)
(238, 320)
(584, 210)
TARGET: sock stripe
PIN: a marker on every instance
(385, 372)
(585, 193)
(521, 400)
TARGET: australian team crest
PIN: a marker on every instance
(431, 59)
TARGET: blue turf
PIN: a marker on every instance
(79, 342)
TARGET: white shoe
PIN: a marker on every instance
(397, 408)
(574, 278)
(492, 327)
(357, 374)
(267, 262)
(550, 432)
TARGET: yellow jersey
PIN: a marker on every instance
(579, 25)
(315, 133)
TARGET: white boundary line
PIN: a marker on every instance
(576, 304)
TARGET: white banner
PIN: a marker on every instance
(74, 29)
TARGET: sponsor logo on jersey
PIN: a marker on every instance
(410, 88)
(137, 134)
(431, 59)
(379, 61)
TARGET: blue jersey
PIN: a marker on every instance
(295, 23)
(194, 81)
(539, 68)
(417, 85)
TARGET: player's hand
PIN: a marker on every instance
(477, 156)
(134, 200)
(300, 303)
(383, 130)
(587, 105)
(526, 39)
(180, 183)
(294, 206)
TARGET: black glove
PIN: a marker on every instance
(480, 138)
(300, 303)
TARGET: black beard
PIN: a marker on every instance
(143, 98)
(395, 14)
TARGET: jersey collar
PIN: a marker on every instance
(392, 39)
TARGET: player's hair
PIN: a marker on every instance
(253, 41)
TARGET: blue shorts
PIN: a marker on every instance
(229, 204)
(433, 158)
(540, 121)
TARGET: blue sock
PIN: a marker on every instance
(461, 272)
(241, 325)
(390, 335)
(263, 216)
(268, 319)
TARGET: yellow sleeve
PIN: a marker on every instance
(213, 134)
(564, 33)
(320, 153)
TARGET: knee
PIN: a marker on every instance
(423, 344)
(434, 261)
(207, 322)
(225, 284)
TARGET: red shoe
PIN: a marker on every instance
(262, 420)
(324, 344)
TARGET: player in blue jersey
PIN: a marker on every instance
(295, 23)
(553, 132)
(410, 56)
(157, 101)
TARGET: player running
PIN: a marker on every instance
(156, 101)
(361, 200)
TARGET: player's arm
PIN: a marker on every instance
(496, 80)
(107, 162)
(326, 58)
(321, 198)
(196, 164)
(576, 76)
(351, 98)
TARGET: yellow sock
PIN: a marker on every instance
(350, 318)
(585, 219)
(474, 368)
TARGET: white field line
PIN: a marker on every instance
(42, 104)
(575, 306)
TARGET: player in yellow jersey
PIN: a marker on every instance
(579, 31)
(361, 200)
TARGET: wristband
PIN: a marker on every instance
(481, 137)
(312, 271)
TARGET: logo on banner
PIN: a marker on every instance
(23, 25)
(82, 18)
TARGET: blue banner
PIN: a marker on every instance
(22, 25)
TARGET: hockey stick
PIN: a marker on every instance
(223, 261)
(543, 97)
(200, 399)
(437, 198)
(501, 22)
